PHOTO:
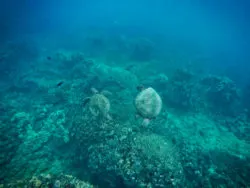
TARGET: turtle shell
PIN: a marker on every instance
(148, 103)
(99, 105)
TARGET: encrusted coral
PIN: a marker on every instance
(122, 77)
(44, 127)
(221, 93)
(47, 181)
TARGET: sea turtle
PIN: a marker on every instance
(98, 103)
(148, 104)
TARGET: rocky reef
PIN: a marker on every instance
(200, 139)
(49, 181)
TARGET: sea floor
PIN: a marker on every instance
(49, 137)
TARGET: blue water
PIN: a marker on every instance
(194, 54)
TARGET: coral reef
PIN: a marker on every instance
(246, 99)
(221, 93)
(122, 78)
(183, 92)
(46, 129)
(47, 181)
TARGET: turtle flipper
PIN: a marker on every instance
(106, 93)
(140, 88)
(137, 115)
(94, 90)
(85, 101)
(145, 122)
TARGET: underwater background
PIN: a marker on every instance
(70, 73)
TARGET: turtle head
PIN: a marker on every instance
(94, 90)
(140, 87)
(85, 101)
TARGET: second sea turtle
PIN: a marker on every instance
(98, 104)
(148, 104)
